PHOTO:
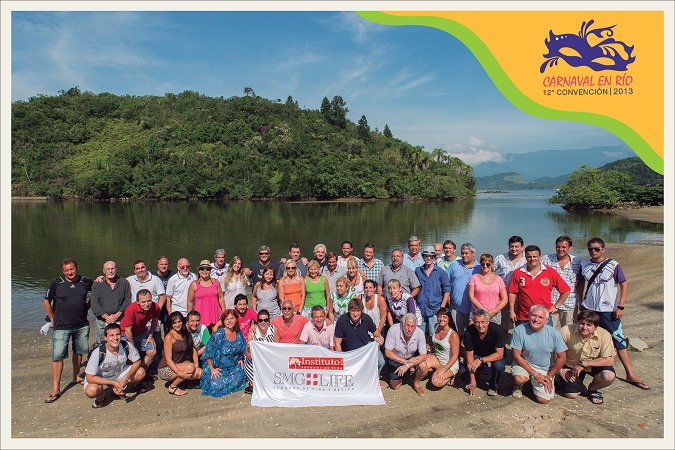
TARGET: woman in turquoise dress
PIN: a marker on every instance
(224, 357)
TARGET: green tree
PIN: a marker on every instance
(363, 130)
(589, 188)
(387, 132)
(325, 109)
(339, 112)
(249, 92)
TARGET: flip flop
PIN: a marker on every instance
(595, 397)
(53, 397)
(639, 384)
(79, 381)
(97, 404)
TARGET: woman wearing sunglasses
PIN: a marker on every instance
(487, 290)
(292, 286)
(261, 331)
(206, 296)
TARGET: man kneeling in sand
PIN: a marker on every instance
(114, 365)
(590, 351)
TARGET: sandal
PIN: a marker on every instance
(140, 389)
(595, 397)
(97, 404)
(53, 397)
(174, 390)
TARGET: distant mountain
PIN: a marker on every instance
(514, 181)
(552, 163)
(638, 171)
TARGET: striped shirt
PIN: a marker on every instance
(571, 273)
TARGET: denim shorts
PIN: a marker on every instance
(60, 339)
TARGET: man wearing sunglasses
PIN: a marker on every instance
(256, 269)
(434, 291)
(606, 295)
(177, 288)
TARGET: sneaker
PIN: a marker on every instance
(517, 392)
(248, 390)
(493, 392)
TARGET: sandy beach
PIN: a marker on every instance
(628, 412)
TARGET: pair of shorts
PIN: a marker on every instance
(141, 342)
(60, 338)
(165, 373)
(117, 378)
(609, 323)
(538, 388)
(392, 366)
(577, 386)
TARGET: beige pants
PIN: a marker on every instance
(564, 317)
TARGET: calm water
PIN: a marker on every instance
(92, 233)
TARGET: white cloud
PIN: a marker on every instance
(475, 151)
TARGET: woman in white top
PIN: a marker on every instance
(374, 305)
(445, 360)
(355, 278)
(234, 282)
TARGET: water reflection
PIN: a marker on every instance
(43, 233)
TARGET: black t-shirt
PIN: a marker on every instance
(257, 270)
(354, 337)
(165, 279)
(494, 339)
(69, 302)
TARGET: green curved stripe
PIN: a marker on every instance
(512, 93)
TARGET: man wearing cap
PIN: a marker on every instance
(434, 290)
(412, 259)
(255, 270)
(177, 288)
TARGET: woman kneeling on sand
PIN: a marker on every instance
(224, 356)
(180, 356)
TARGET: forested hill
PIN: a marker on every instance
(100, 146)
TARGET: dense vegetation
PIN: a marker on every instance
(84, 145)
(627, 181)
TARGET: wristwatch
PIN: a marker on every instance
(581, 363)
(621, 307)
(480, 358)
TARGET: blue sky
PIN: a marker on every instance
(422, 82)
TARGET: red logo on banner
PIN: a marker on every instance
(317, 363)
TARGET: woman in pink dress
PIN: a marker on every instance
(206, 296)
(487, 290)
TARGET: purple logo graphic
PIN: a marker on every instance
(575, 50)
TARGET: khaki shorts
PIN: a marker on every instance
(538, 388)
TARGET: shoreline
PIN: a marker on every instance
(450, 413)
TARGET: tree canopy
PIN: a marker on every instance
(101, 146)
(589, 188)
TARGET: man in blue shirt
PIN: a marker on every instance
(412, 259)
(434, 290)
(460, 273)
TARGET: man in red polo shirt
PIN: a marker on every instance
(532, 284)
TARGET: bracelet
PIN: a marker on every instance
(511, 311)
(621, 307)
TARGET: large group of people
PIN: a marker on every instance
(435, 316)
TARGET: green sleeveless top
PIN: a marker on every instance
(315, 293)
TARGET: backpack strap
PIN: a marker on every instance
(103, 349)
(595, 275)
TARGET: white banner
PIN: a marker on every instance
(293, 375)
